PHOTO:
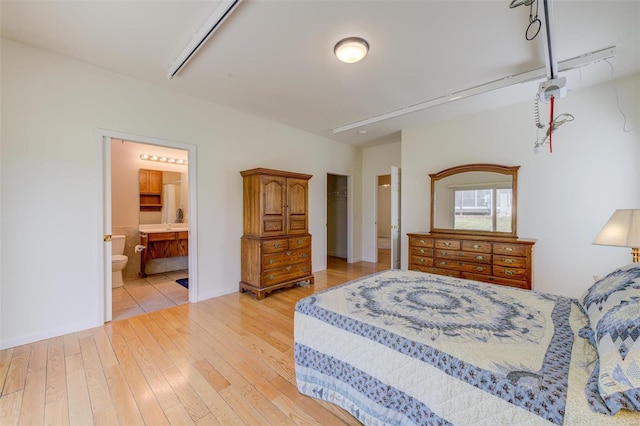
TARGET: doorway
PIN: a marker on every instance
(339, 218)
(383, 222)
(126, 207)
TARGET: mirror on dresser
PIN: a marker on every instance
(475, 199)
(473, 228)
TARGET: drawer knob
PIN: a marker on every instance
(421, 250)
(276, 245)
(304, 255)
(479, 257)
(271, 277)
(304, 269)
(299, 242)
(443, 253)
(509, 249)
(421, 241)
(288, 268)
(476, 246)
(443, 263)
(288, 253)
(446, 244)
(421, 260)
(508, 261)
(479, 268)
(509, 272)
(271, 261)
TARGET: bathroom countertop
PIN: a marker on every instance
(160, 227)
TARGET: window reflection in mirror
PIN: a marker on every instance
(476, 198)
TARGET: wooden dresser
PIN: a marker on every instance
(496, 260)
(276, 245)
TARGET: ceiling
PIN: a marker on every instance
(274, 59)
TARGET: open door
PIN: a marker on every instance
(106, 225)
(395, 218)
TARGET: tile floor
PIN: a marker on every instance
(157, 291)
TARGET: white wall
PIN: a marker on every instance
(51, 235)
(564, 198)
(376, 161)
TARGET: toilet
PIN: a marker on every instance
(118, 260)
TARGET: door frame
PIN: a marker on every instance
(350, 257)
(103, 145)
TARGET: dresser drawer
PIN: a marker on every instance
(287, 273)
(421, 242)
(421, 261)
(162, 236)
(510, 249)
(476, 268)
(511, 273)
(463, 255)
(448, 244)
(477, 246)
(422, 251)
(289, 257)
(274, 246)
(510, 261)
(300, 242)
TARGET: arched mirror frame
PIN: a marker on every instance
(492, 168)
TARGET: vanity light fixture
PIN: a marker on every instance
(351, 49)
(163, 159)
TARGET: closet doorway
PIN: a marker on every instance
(339, 246)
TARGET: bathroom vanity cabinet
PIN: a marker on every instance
(276, 245)
(162, 244)
(150, 190)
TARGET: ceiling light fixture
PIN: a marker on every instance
(350, 50)
(536, 74)
(219, 15)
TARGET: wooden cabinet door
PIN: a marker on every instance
(155, 181)
(273, 195)
(143, 176)
(150, 181)
(297, 202)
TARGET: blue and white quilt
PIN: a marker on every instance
(405, 347)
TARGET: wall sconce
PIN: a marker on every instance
(622, 230)
(163, 159)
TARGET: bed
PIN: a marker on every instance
(405, 347)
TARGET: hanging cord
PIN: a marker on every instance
(551, 125)
(536, 111)
(554, 124)
(533, 29)
(534, 23)
(615, 89)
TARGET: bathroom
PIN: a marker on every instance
(162, 281)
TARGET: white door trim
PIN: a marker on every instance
(103, 149)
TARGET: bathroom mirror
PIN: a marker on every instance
(173, 198)
(475, 199)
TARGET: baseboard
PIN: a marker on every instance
(340, 255)
(49, 334)
(217, 293)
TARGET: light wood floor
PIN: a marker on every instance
(227, 360)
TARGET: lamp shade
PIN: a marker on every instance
(622, 229)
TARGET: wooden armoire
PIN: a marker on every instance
(276, 244)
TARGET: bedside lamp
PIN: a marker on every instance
(622, 230)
